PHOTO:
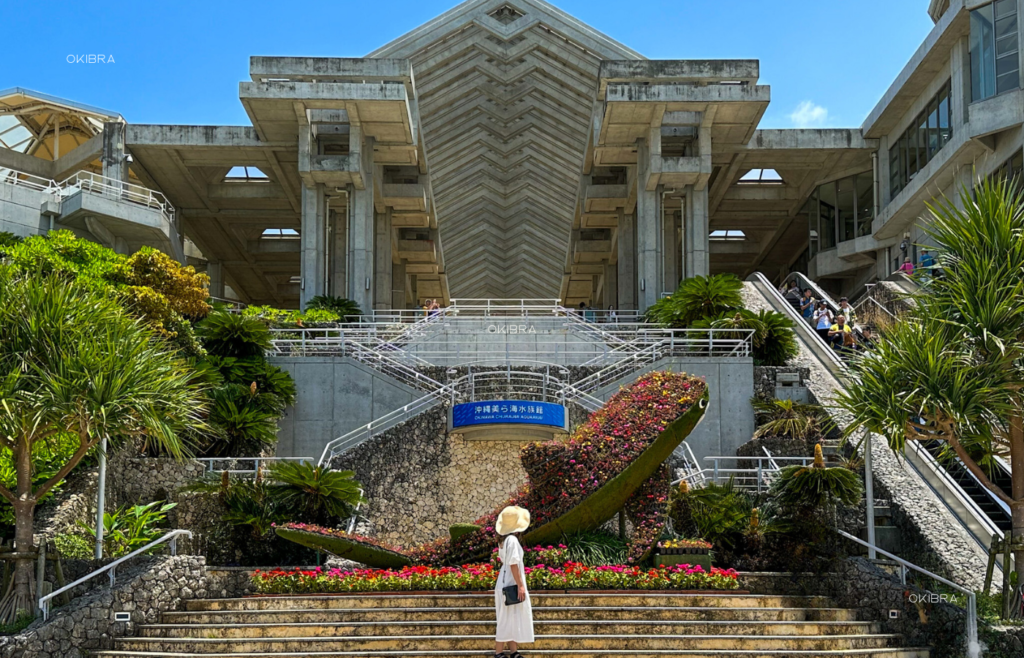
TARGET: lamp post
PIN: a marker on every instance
(101, 499)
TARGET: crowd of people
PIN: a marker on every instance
(837, 328)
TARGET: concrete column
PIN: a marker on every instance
(882, 192)
(313, 237)
(382, 255)
(648, 232)
(338, 268)
(960, 82)
(628, 282)
(611, 286)
(695, 233)
(215, 271)
(398, 285)
(670, 277)
(115, 166)
(361, 235)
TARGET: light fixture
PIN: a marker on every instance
(367, 283)
(643, 285)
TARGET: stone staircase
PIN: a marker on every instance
(590, 625)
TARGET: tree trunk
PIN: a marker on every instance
(1017, 475)
(20, 598)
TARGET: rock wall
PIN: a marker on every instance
(420, 480)
(145, 590)
(764, 379)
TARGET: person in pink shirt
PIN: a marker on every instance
(907, 267)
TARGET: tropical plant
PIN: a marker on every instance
(316, 494)
(8, 239)
(73, 361)
(773, 340)
(952, 370)
(595, 548)
(697, 298)
(719, 513)
(233, 335)
(344, 308)
(47, 459)
(790, 419)
(130, 527)
(239, 423)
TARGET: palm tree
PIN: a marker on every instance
(952, 370)
(73, 361)
(697, 298)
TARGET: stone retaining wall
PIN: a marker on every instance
(145, 590)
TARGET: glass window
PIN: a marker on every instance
(827, 215)
(933, 127)
(912, 144)
(865, 202)
(894, 171)
(995, 66)
(923, 154)
(846, 204)
(944, 115)
(983, 64)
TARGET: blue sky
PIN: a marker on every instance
(828, 62)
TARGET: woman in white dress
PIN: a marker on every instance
(515, 622)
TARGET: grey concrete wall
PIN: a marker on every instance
(729, 420)
(335, 395)
(19, 210)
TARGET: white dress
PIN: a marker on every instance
(515, 622)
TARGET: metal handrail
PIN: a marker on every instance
(122, 190)
(172, 535)
(243, 471)
(31, 181)
(973, 648)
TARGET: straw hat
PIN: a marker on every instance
(512, 519)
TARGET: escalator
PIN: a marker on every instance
(978, 511)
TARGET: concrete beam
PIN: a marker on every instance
(28, 164)
(77, 158)
(669, 93)
(178, 136)
(321, 91)
(680, 70)
(810, 138)
(328, 68)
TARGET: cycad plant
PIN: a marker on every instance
(773, 342)
(697, 298)
(233, 335)
(816, 487)
(790, 419)
(314, 492)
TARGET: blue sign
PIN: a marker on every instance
(499, 412)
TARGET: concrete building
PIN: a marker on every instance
(507, 150)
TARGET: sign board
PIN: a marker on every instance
(506, 412)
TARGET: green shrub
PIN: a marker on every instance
(340, 306)
(718, 513)
(131, 527)
(74, 546)
(773, 342)
(789, 419)
(458, 529)
(232, 335)
(315, 494)
(21, 623)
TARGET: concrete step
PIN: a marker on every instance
(598, 642)
(480, 613)
(622, 600)
(446, 628)
(582, 653)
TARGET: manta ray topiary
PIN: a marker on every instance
(614, 460)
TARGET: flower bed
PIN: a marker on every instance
(684, 547)
(535, 555)
(570, 576)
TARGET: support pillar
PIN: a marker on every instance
(313, 237)
(382, 255)
(695, 233)
(626, 266)
(610, 289)
(398, 286)
(115, 165)
(648, 233)
(338, 284)
(215, 271)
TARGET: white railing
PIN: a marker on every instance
(30, 181)
(111, 569)
(232, 463)
(382, 424)
(519, 385)
(973, 648)
(122, 190)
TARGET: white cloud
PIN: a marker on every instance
(809, 115)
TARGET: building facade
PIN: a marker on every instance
(507, 150)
